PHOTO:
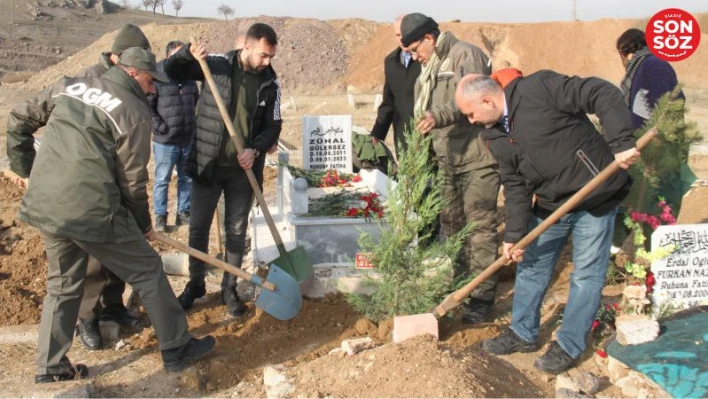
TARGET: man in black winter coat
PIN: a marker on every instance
(539, 133)
(249, 87)
(172, 109)
(401, 72)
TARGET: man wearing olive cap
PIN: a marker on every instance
(103, 291)
(128, 36)
(87, 196)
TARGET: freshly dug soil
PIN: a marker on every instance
(415, 368)
(246, 344)
(23, 262)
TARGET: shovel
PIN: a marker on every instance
(280, 294)
(454, 299)
(296, 262)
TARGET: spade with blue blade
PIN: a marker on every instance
(279, 295)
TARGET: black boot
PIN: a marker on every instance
(229, 296)
(507, 343)
(476, 311)
(90, 334)
(556, 360)
(194, 289)
(233, 303)
(65, 373)
(182, 218)
(119, 314)
(179, 358)
(160, 223)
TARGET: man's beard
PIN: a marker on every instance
(250, 67)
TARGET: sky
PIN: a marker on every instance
(442, 10)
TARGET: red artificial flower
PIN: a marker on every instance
(654, 222)
(601, 353)
(352, 212)
(650, 281)
(634, 216)
(380, 213)
(595, 325)
(356, 178)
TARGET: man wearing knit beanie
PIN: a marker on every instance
(128, 36)
(471, 182)
(103, 290)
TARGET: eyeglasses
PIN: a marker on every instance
(415, 50)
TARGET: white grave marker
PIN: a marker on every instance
(682, 277)
(327, 142)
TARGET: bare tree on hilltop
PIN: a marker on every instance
(177, 5)
(225, 10)
(162, 6)
(154, 4)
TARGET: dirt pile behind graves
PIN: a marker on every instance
(584, 48)
(311, 54)
(328, 56)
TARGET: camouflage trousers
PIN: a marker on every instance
(471, 198)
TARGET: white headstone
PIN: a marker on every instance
(350, 100)
(682, 277)
(327, 142)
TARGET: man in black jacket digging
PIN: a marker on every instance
(249, 86)
(173, 121)
(545, 144)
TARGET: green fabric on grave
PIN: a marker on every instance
(678, 359)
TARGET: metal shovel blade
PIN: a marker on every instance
(296, 263)
(284, 303)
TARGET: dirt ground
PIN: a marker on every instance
(23, 266)
(246, 345)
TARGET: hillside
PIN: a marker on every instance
(319, 57)
(34, 42)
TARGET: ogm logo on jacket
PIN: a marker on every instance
(93, 96)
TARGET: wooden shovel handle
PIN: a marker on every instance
(458, 296)
(238, 142)
(212, 261)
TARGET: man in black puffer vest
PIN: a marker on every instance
(173, 122)
(249, 86)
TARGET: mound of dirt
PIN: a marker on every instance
(327, 56)
(311, 53)
(575, 48)
(23, 263)
(244, 348)
(413, 369)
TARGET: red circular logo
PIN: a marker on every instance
(673, 34)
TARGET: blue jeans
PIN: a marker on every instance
(167, 156)
(592, 239)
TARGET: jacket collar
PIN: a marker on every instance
(444, 46)
(105, 60)
(120, 78)
(495, 132)
(513, 97)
